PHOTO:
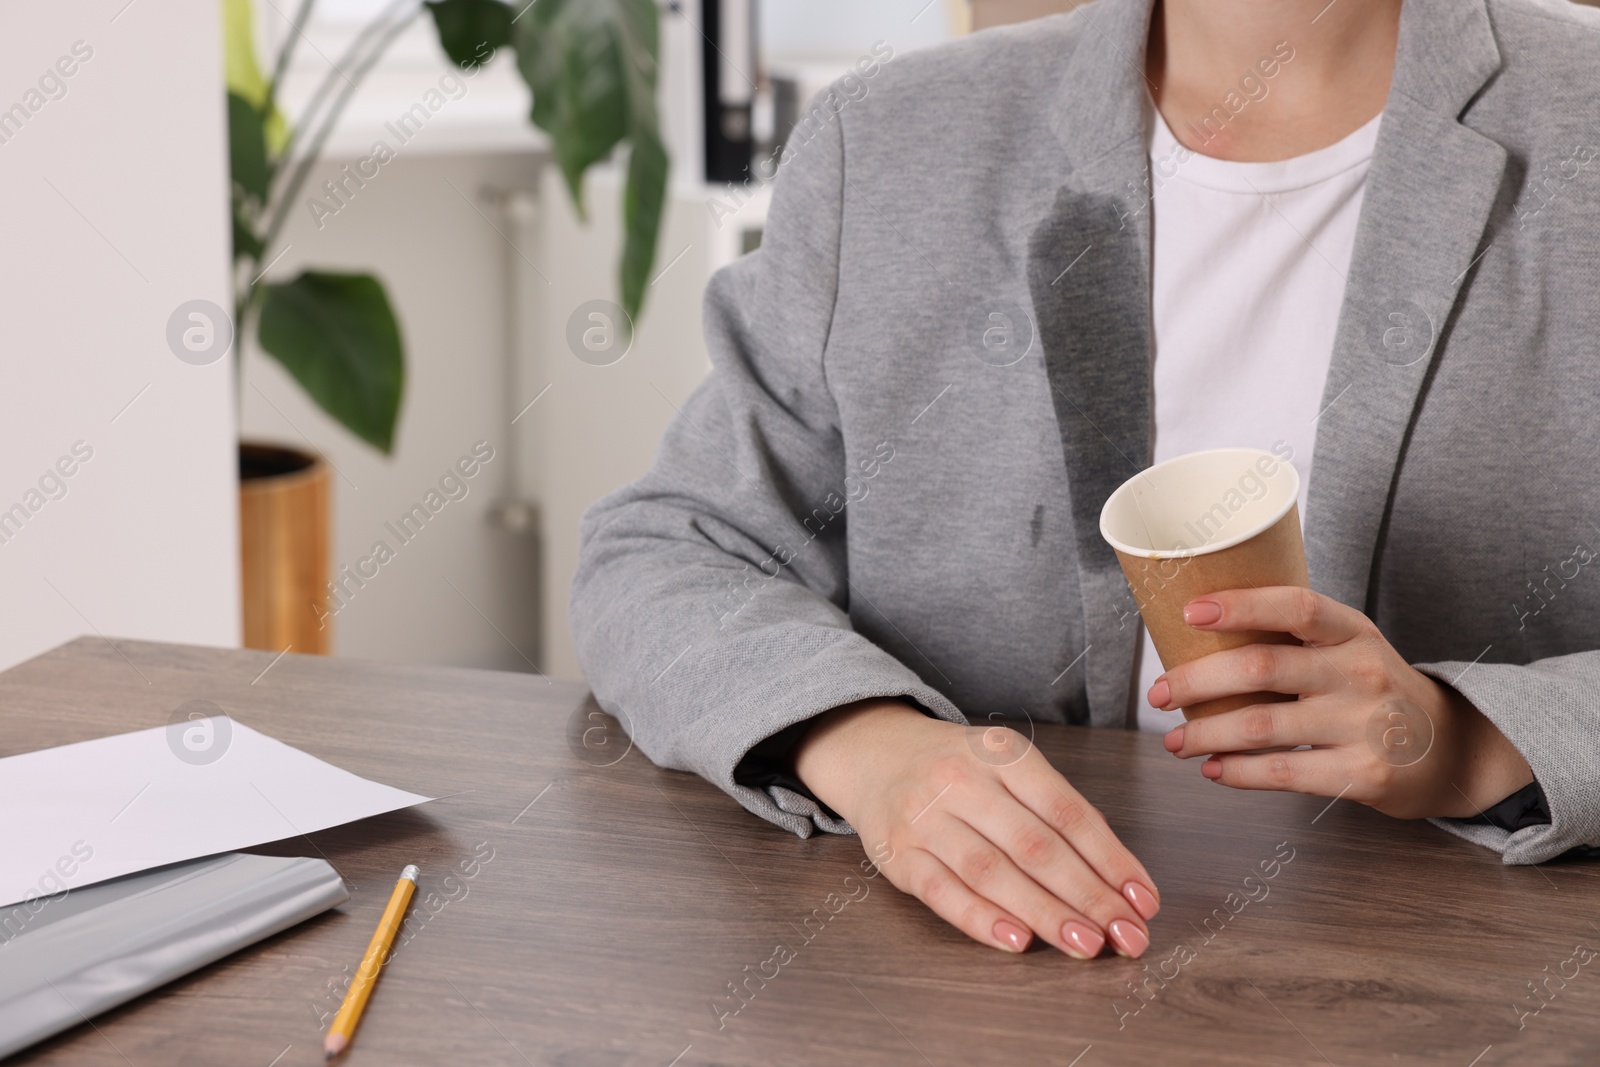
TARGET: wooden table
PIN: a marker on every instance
(590, 908)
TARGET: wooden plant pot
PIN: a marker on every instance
(283, 541)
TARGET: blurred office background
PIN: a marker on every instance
(115, 177)
(118, 194)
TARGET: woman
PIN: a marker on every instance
(1016, 269)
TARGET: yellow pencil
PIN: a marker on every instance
(355, 998)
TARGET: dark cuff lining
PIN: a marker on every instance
(769, 761)
(1526, 807)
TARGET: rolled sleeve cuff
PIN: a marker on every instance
(845, 671)
(1550, 711)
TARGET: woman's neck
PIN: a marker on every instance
(1258, 80)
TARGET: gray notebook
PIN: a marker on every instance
(96, 947)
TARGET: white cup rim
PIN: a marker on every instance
(1216, 546)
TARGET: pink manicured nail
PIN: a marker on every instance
(1143, 901)
(1082, 938)
(1012, 937)
(1202, 613)
(1173, 741)
(1160, 693)
(1212, 769)
(1129, 939)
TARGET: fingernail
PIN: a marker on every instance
(1160, 693)
(1202, 613)
(1082, 938)
(1143, 901)
(1173, 742)
(1012, 937)
(1212, 769)
(1129, 939)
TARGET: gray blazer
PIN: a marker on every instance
(861, 501)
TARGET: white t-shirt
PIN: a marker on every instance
(1247, 276)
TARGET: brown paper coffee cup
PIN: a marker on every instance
(1202, 523)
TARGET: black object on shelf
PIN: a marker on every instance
(728, 76)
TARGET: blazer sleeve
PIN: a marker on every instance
(709, 607)
(1550, 710)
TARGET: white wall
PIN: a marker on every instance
(116, 214)
(844, 29)
(417, 227)
(598, 427)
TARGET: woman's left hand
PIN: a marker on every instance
(1381, 732)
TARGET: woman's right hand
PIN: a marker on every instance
(980, 828)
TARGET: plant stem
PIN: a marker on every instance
(309, 159)
(334, 76)
(303, 170)
(245, 299)
(296, 28)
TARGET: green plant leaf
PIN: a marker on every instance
(245, 241)
(337, 335)
(250, 172)
(570, 59)
(247, 147)
(470, 30)
(643, 201)
(243, 73)
(239, 64)
(592, 67)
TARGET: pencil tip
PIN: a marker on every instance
(333, 1044)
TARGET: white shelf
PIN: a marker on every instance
(484, 113)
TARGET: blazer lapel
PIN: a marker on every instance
(1430, 192)
(1089, 280)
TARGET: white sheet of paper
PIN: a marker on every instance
(83, 813)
